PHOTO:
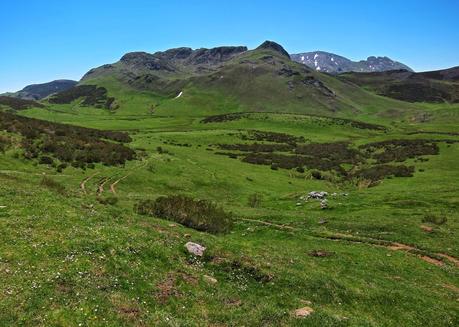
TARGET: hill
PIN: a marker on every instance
(40, 91)
(334, 64)
(222, 80)
(435, 86)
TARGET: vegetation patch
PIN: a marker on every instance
(435, 219)
(78, 146)
(400, 150)
(379, 172)
(201, 215)
(223, 118)
(19, 104)
(91, 95)
(255, 135)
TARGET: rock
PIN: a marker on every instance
(195, 249)
(317, 195)
(186, 235)
(303, 312)
(320, 253)
(427, 229)
(324, 204)
(322, 221)
(209, 279)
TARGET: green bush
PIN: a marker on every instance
(201, 215)
(110, 200)
(434, 219)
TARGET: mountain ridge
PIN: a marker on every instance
(335, 64)
(42, 90)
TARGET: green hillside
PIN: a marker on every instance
(253, 133)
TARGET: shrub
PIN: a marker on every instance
(254, 200)
(316, 174)
(110, 200)
(45, 160)
(5, 142)
(201, 215)
(434, 219)
(52, 185)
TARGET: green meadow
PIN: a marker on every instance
(74, 252)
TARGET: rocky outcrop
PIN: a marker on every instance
(270, 45)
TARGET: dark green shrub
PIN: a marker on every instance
(201, 215)
(110, 200)
(45, 160)
(316, 174)
(434, 219)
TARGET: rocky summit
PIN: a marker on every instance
(334, 64)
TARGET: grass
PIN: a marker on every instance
(84, 256)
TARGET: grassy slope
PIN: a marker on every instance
(66, 259)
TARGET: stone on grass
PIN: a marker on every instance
(209, 279)
(303, 312)
(195, 249)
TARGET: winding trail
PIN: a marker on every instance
(436, 258)
(84, 181)
(113, 185)
(100, 187)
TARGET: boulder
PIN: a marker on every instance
(195, 249)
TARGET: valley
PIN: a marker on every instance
(242, 136)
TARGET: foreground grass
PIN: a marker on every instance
(67, 259)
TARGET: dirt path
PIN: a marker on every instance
(268, 223)
(113, 185)
(437, 259)
(84, 181)
(100, 187)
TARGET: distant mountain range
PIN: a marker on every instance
(40, 91)
(334, 64)
(265, 78)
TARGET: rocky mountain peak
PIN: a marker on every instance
(270, 45)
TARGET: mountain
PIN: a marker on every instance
(335, 64)
(434, 86)
(40, 91)
(221, 80)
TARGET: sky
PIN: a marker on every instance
(44, 40)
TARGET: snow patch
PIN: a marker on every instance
(318, 68)
(179, 95)
(332, 59)
(315, 63)
(302, 58)
(315, 56)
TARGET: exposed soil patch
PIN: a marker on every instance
(320, 253)
(167, 288)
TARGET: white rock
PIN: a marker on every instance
(195, 249)
(210, 279)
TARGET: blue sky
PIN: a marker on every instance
(46, 40)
